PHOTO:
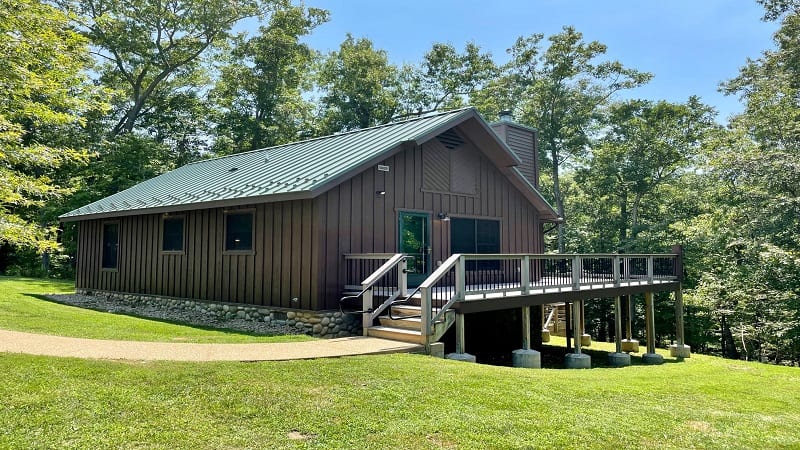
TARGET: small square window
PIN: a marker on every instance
(110, 245)
(239, 231)
(172, 234)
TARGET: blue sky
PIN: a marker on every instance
(690, 45)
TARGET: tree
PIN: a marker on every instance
(359, 87)
(561, 92)
(149, 47)
(261, 89)
(446, 78)
(749, 231)
(45, 93)
(648, 146)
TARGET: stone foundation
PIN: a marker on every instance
(325, 324)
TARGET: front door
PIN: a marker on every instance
(415, 241)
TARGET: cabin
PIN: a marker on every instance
(423, 213)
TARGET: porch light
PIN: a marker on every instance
(443, 217)
(380, 193)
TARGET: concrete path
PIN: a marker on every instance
(40, 344)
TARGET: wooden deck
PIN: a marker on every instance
(477, 283)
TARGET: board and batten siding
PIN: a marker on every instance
(281, 267)
(353, 218)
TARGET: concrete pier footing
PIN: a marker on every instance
(436, 349)
(619, 359)
(526, 358)
(630, 345)
(652, 358)
(586, 340)
(466, 357)
(545, 335)
(577, 361)
(680, 351)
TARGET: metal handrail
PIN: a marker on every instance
(368, 283)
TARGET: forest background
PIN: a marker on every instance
(98, 95)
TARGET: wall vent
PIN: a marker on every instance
(450, 139)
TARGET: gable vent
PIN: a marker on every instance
(450, 139)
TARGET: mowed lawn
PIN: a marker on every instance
(23, 308)
(395, 401)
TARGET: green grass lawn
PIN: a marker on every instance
(388, 401)
(23, 309)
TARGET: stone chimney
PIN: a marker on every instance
(523, 142)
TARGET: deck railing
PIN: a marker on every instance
(381, 286)
(465, 277)
(381, 278)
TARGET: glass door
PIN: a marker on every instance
(415, 241)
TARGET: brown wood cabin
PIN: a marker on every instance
(272, 227)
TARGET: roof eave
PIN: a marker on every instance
(241, 201)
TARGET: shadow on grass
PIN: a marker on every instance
(195, 326)
(553, 357)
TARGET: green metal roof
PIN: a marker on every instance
(290, 171)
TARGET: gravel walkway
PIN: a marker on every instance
(40, 344)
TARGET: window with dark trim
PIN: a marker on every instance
(475, 236)
(172, 234)
(110, 245)
(238, 231)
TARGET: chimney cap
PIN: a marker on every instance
(505, 115)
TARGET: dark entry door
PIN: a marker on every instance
(415, 241)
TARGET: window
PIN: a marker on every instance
(110, 245)
(239, 231)
(475, 236)
(172, 234)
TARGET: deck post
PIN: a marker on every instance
(545, 331)
(402, 277)
(525, 357)
(525, 274)
(460, 354)
(577, 360)
(618, 359)
(679, 350)
(567, 323)
(526, 327)
(461, 278)
(650, 271)
(651, 357)
(425, 312)
(615, 263)
(576, 272)
(576, 325)
(629, 344)
(586, 339)
(366, 306)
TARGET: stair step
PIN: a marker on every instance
(396, 334)
(414, 323)
(406, 310)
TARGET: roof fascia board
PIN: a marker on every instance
(274, 198)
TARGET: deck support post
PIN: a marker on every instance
(586, 339)
(366, 306)
(618, 359)
(630, 344)
(577, 360)
(680, 349)
(568, 323)
(460, 354)
(545, 331)
(525, 357)
(651, 357)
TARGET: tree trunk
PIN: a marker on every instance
(558, 198)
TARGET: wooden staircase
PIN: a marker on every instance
(406, 325)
